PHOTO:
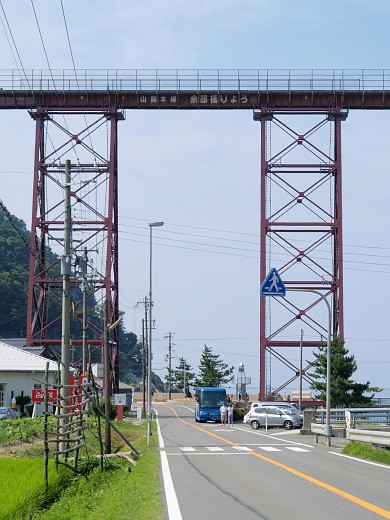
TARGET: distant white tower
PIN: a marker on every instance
(241, 381)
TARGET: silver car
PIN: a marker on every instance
(271, 416)
(282, 405)
(7, 412)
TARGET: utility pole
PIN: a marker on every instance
(143, 365)
(300, 371)
(107, 379)
(169, 336)
(65, 336)
(184, 379)
(84, 266)
(145, 351)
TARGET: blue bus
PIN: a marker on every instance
(208, 402)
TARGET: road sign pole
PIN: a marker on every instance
(274, 286)
(328, 426)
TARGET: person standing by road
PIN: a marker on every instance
(230, 415)
(224, 411)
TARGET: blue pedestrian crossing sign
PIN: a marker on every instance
(273, 285)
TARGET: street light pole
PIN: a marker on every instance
(151, 226)
(328, 426)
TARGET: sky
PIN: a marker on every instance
(198, 171)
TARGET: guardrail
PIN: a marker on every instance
(320, 429)
(354, 416)
(181, 80)
(348, 419)
(371, 436)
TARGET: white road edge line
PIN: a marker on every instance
(360, 460)
(174, 512)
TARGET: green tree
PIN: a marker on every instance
(182, 372)
(212, 370)
(130, 357)
(344, 391)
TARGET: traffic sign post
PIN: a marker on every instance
(273, 285)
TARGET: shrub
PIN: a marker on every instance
(92, 410)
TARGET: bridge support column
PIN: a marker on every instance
(300, 235)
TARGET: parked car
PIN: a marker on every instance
(272, 416)
(283, 405)
(7, 412)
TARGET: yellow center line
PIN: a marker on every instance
(384, 513)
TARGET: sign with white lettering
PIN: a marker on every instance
(38, 395)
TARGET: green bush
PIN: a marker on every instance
(20, 429)
(238, 413)
(93, 411)
(22, 401)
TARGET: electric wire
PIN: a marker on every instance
(276, 255)
(51, 73)
(74, 69)
(359, 246)
(16, 50)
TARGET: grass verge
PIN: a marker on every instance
(122, 491)
(367, 451)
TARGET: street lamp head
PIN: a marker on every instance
(156, 224)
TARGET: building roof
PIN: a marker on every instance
(15, 342)
(46, 352)
(13, 359)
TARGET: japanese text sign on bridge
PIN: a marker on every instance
(273, 285)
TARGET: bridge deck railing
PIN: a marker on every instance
(184, 80)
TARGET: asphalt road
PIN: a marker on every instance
(214, 472)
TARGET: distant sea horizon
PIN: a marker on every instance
(288, 391)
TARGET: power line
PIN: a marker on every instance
(250, 256)
(16, 49)
(360, 246)
(75, 72)
(195, 227)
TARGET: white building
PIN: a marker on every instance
(21, 372)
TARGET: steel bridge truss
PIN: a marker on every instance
(94, 233)
(300, 235)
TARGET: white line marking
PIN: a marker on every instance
(360, 460)
(214, 448)
(160, 438)
(187, 449)
(209, 454)
(170, 493)
(296, 448)
(286, 432)
(269, 436)
(241, 448)
(269, 448)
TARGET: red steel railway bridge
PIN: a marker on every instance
(300, 113)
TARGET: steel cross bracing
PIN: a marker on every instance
(300, 233)
(94, 207)
(290, 240)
